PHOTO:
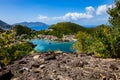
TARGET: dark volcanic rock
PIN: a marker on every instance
(114, 67)
(64, 66)
(50, 56)
(5, 75)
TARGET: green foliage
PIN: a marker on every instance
(115, 14)
(11, 48)
(19, 29)
(102, 43)
(105, 42)
(66, 27)
(61, 28)
(10, 53)
(84, 40)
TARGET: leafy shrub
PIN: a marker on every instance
(106, 40)
(10, 53)
(84, 40)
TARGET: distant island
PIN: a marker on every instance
(4, 25)
(34, 25)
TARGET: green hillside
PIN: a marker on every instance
(67, 27)
(19, 29)
(61, 28)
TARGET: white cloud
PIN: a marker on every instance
(74, 16)
(43, 18)
(90, 10)
(102, 9)
(90, 16)
(77, 16)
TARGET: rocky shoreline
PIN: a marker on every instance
(61, 66)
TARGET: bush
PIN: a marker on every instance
(10, 53)
(84, 41)
(106, 40)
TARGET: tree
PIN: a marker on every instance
(106, 40)
(84, 40)
(115, 14)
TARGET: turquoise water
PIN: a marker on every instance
(46, 45)
(37, 28)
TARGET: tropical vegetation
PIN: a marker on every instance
(105, 42)
(66, 28)
(12, 46)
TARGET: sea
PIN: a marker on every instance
(43, 45)
(38, 28)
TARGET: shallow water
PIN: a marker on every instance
(46, 45)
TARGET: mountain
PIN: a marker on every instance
(66, 28)
(34, 25)
(4, 25)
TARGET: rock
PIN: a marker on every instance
(22, 62)
(64, 66)
(25, 68)
(5, 75)
(15, 79)
(108, 76)
(35, 65)
(41, 61)
(50, 56)
(114, 67)
(63, 78)
(96, 76)
(36, 57)
(78, 63)
(21, 71)
(42, 66)
(58, 52)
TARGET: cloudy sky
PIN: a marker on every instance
(84, 12)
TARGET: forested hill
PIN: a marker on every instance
(67, 28)
(19, 29)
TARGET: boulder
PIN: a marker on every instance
(36, 57)
(5, 75)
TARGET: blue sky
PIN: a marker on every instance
(84, 12)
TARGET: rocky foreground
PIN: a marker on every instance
(63, 66)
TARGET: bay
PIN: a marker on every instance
(46, 45)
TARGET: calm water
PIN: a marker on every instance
(37, 28)
(46, 45)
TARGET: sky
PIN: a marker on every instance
(83, 12)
